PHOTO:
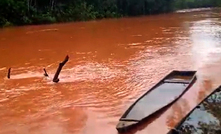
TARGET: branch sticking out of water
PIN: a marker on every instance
(45, 74)
(9, 73)
(55, 79)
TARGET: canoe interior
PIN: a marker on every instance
(180, 76)
(159, 96)
(204, 118)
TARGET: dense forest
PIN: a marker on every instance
(24, 12)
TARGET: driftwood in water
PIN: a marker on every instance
(45, 74)
(55, 79)
(9, 73)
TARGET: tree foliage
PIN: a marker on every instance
(22, 12)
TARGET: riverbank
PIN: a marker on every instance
(33, 12)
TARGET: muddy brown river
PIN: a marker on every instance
(112, 63)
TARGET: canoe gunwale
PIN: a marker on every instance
(192, 81)
(182, 82)
(125, 119)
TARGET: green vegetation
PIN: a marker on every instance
(23, 12)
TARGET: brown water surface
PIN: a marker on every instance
(112, 63)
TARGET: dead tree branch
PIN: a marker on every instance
(45, 74)
(9, 73)
(55, 79)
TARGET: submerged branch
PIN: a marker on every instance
(45, 74)
(55, 79)
(9, 73)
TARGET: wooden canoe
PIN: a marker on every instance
(159, 97)
(205, 117)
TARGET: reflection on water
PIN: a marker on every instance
(112, 62)
(205, 118)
